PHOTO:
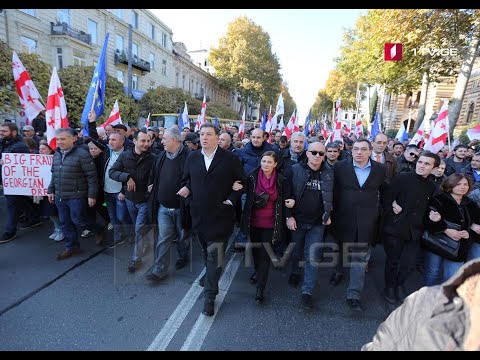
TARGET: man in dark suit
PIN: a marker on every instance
(207, 181)
(358, 184)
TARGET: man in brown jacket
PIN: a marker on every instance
(381, 155)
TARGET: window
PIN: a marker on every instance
(205, 63)
(134, 19)
(134, 82)
(120, 76)
(63, 16)
(470, 112)
(151, 60)
(151, 31)
(120, 43)
(29, 11)
(152, 85)
(60, 58)
(163, 41)
(119, 13)
(164, 67)
(28, 45)
(176, 79)
(183, 82)
(134, 50)
(79, 58)
(197, 88)
(92, 30)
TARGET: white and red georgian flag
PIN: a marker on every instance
(27, 92)
(418, 137)
(281, 124)
(290, 128)
(147, 122)
(438, 136)
(359, 129)
(473, 133)
(115, 117)
(268, 126)
(56, 111)
(324, 129)
(241, 130)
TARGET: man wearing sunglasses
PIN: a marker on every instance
(311, 184)
(408, 160)
(358, 185)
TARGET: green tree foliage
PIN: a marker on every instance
(373, 105)
(39, 71)
(75, 82)
(323, 105)
(340, 86)
(244, 61)
(288, 103)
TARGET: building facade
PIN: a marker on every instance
(64, 37)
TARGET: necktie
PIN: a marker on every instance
(378, 158)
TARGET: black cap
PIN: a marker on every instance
(97, 143)
(153, 128)
(193, 138)
(120, 126)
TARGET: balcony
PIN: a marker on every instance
(65, 29)
(199, 96)
(140, 64)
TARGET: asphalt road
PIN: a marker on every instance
(90, 302)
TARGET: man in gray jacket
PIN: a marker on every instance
(74, 179)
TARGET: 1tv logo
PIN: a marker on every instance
(393, 52)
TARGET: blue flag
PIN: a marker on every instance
(96, 90)
(375, 128)
(404, 135)
(215, 122)
(307, 129)
(264, 120)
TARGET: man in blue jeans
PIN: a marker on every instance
(165, 205)
(311, 184)
(74, 183)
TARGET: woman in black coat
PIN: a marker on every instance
(263, 215)
(451, 205)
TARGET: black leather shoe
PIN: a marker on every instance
(253, 279)
(390, 295)
(259, 297)
(201, 282)
(307, 302)
(156, 278)
(354, 304)
(294, 280)
(208, 308)
(335, 279)
(134, 265)
(401, 293)
(181, 263)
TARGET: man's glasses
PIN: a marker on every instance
(315, 153)
(413, 154)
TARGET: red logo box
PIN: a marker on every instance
(393, 52)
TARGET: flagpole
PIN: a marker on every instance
(448, 128)
(95, 95)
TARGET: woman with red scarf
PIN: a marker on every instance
(263, 215)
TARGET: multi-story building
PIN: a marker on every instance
(64, 37)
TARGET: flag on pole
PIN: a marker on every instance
(279, 110)
(289, 129)
(180, 121)
(281, 124)
(114, 117)
(147, 122)
(56, 111)
(306, 131)
(438, 136)
(185, 118)
(96, 93)
(268, 127)
(375, 128)
(264, 121)
(359, 129)
(27, 92)
(418, 137)
(242, 126)
(473, 133)
(203, 112)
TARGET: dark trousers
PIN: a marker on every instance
(401, 257)
(213, 252)
(261, 260)
(16, 206)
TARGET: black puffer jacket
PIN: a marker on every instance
(131, 165)
(74, 177)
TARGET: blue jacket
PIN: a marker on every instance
(250, 156)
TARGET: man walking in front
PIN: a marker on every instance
(208, 178)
